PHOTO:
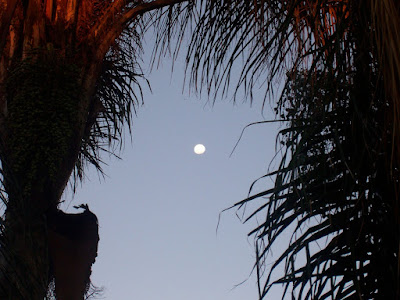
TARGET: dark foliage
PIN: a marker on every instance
(335, 186)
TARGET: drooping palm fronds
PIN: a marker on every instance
(101, 39)
(331, 196)
(336, 186)
(118, 95)
(118, 89)
(268, 37)
(338, 179)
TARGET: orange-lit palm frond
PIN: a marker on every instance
(271, 37)
(319, 18)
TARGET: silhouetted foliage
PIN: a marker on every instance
(336, 186)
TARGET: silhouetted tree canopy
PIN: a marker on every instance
(69, 83)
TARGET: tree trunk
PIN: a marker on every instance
(25, 268)
(44, 130)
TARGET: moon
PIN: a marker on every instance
(199, 149)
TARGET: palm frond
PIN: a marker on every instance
(268, 37)
(332, 192)
(330, 196)
(117, 98)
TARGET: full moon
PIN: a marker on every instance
(199, 149)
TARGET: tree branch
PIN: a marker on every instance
(103, 35)
(145, 7)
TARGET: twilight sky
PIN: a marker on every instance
(158, 207)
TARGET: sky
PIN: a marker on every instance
(158, 207)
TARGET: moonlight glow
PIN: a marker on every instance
(199, 149)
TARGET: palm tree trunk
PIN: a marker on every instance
(25, 264)
(45, 127)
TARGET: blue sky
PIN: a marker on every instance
(158, 207)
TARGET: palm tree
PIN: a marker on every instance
(336, 187)
(68, 78)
